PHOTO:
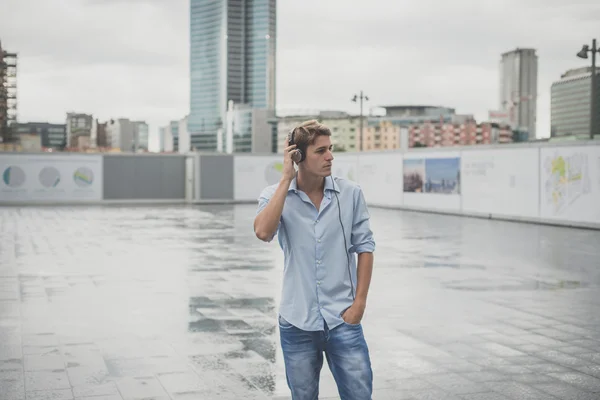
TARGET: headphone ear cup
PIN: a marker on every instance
(302, 156)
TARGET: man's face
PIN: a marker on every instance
(319, 157)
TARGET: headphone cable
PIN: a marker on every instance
(345, 244)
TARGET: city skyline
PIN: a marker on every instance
(420, 52)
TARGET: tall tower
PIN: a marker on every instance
(518, 88)
(232, 57)
(8, 95)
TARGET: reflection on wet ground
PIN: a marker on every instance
(119, 303)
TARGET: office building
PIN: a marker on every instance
(79, 131)
(41, 136)
(8, 97)
(384, 132)
(121, 134)
(458, 134)
(344, 128)
(165, 139)
(102, 140)
(232, 58)
(247, 130)
(141, 136)
(415, 111)
(518, 89)
(570, 103)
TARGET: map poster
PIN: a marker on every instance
(570, 183)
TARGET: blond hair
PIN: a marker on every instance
(307, 132)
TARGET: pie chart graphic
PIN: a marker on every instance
(273, 172)
(49, 177)
(83, 177)
(13, 177)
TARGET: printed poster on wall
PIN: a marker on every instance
(501, 181)
(50, 178)
(432, 175)
(570, 183)
(254, 173)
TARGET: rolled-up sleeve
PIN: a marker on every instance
(362, 236)
(263, 200)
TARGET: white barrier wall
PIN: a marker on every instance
(501, 182)
(345, 165)
(380, 177)
(549, 183)
(539, 183)
(50, 178)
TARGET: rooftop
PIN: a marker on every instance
(180, 302)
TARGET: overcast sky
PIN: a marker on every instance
(129, 58)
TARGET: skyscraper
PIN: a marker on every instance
(518, 89)
(570, 103)
(8, 96)
(232, 58)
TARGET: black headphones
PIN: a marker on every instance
(344, 236)
(301, 151)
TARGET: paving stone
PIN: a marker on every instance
(455, 383)
(180, 303)
(566, 392)
(13, 389)
(485, 376)
(96, 389)
(515, 390)
(579, 380)
(46, 380)
(61, 394)
(44, 362)
(141, 388)
(107, 397)
(484, 396)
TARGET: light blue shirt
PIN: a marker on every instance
(316, 276)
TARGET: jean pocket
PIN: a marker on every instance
(344, 321)
(283, 324)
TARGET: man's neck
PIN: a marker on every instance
(310, 184)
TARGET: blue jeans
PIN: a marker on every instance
(347, 355)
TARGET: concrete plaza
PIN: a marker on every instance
(180, 302)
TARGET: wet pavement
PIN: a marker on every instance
(120, 303)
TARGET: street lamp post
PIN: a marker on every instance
(583, 54)
(354, 99)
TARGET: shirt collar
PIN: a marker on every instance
(329, 184)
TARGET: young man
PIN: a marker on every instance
(320, 222)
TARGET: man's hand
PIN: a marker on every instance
(354, 313)
(288, 165)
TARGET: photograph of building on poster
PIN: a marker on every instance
(432, 175)
(414, 175)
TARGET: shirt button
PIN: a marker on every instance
(318, 282)
(318, 261)
(316, 221)
(319, 240)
